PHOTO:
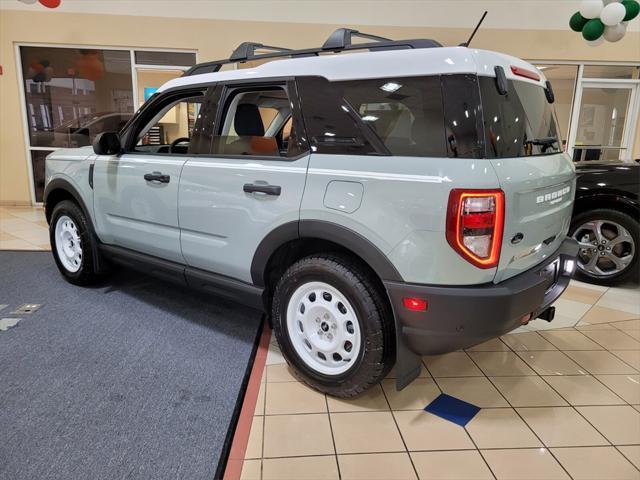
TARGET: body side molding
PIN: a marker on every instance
(195, 278)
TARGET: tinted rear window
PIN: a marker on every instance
(463, 116)
(518, 124)
(405, 113)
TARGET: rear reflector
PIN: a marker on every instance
(475, 222)
(415, 304)
(521, 72)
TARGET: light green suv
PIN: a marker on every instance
(404, 200)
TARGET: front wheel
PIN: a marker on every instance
(609, 243)
(72, 243)
(333, 325)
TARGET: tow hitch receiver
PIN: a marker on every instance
(548, 314)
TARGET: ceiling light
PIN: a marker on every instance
(390, 87)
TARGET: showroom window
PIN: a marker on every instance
(72, 94)
(597, 108)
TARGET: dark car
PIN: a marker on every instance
(606, 221)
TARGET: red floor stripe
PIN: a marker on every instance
(241, 436)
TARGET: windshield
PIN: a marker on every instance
(519, 124)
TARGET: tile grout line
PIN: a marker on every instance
(395, 422)
(625, 457)
(421, 409)
(562, 447)
(333, 439)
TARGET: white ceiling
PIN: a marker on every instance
(518, 14)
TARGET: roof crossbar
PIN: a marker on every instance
(341, 38)
(338, 41)
(247, 50)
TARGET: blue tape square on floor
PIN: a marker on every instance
(452, 409)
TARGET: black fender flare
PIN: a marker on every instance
(62, 184)
(323, 230)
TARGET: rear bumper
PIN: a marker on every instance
(460, 317)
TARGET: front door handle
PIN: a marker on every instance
(262, 188)
(157, 177)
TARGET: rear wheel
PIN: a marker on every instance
(333, 325)
(609, 243)
(72, 243)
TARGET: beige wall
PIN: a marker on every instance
(216, 39)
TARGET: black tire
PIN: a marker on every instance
(375, 320)
(622, 219)
(86, 274)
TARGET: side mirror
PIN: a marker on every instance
(107, 143)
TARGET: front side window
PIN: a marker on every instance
(519, 124)
(171, 127)
(257, 122)
(405, 113)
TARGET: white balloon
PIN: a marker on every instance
(595, 43)
(614, 33)
(591, 8)
(607, 2)
(613, 14)
(29, 2)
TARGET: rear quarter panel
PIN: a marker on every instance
(402, 210)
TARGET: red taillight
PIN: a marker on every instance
(415, 304)
(475, 222)
(522, 72)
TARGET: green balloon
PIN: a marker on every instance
(593, 29)
(632, 7)
(577, 22)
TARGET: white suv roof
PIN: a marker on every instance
(376, 64)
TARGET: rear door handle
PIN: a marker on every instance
(157, 177)
(262, 188)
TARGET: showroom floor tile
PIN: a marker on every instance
(558, 400)
(555, 403)
(23, 228)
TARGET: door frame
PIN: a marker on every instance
(631, 116)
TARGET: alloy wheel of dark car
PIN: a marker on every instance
(608, 245)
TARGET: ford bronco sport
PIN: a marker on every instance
(404, 200)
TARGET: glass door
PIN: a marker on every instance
(606, 121)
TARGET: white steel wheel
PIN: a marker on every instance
(323, 328)
(68, 244)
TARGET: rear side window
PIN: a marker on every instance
(520, 123)
(257, 122)
(405, 113)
